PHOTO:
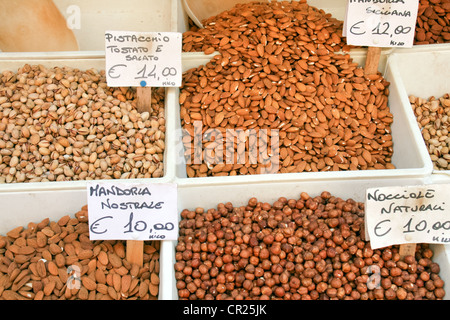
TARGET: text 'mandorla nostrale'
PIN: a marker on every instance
(102, 191)
(132, 210)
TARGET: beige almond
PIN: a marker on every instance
(41, 269)
(12, 295)
(219, 118)
(85, 254)
(112, 293)
(60, 260)
(103, 258)
(126, 283)
(154, 289)
(143, 289)
(100, 276)
(117, 282)
(119, 249)
(102, 288)
(49, 287)
(15, 233)
(115, 260)
(52, 268)
(83, 294)
(154, 279)
(88, 283)
(70, 237)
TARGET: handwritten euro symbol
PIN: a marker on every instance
(356, 29)
(112, 72)
(96, 224)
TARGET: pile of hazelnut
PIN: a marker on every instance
(309, 248)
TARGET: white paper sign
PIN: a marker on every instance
(411, 214)
(143, 59)
(132, 211)
(381, 23)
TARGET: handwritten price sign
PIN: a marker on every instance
(141, 59)
(129, 211)
(413, 214)
(381, 23)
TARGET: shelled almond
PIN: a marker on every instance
(65, 124)
(56, 260)
(280, 67)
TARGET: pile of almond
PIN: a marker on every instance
(279, 69)
(56, 260)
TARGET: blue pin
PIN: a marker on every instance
(143, 83)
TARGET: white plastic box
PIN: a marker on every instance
(97, 62)
(424, 73)
(193, 196)
(405, 139)
(21, 208)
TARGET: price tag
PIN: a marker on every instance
(381, 23)
(143, 59)
(406, 215)
(132, 211)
